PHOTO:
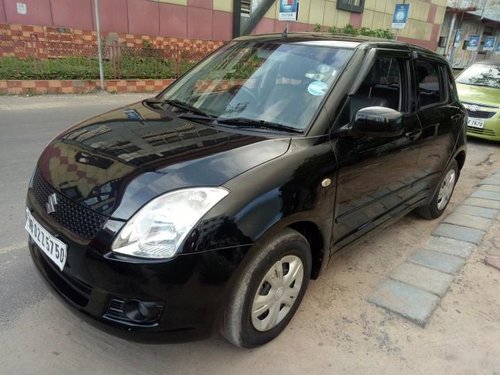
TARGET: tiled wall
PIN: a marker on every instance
(193, 19)
(425, 18)
(212, 19)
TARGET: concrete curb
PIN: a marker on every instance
(415, 288)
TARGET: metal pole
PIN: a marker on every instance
(99, 47)
(256, 15)
(236, 18)
(453, 49)
(451, 40)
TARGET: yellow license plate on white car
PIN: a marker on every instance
(54, 248)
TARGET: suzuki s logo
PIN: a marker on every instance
(473, 108)
(51, 203)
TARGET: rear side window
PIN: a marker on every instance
(429, 83)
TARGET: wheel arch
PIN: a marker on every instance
(315, 234)
(460, 158)
(314, 237)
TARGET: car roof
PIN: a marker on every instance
(355, 41)
(488, 62)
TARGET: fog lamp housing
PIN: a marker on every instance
(134, 311)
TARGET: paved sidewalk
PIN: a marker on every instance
(415, 288)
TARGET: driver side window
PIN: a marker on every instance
(381, 87)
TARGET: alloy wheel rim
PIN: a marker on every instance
(277, 293)
(446, 189)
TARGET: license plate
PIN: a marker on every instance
(473, 123)
(55, 249)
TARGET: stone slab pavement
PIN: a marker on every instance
(493, 261)
(414, 289)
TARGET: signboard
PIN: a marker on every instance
(400, 16)
(289, 10)
(458, 38)
(473, 42)
(21, 8)
(355, 6)
(497, 50)
(489, 43)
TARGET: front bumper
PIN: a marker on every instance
(190, 289)
(491, 130)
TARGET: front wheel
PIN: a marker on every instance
(442, 196)
(269, 291)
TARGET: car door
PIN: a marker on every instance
(440, 116)
(375, 174)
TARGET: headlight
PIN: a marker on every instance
(158, 229)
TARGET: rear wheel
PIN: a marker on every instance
(443, 195)
(269, 291)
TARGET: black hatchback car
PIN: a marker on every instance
(211, 206)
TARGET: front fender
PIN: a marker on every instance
(284, 192)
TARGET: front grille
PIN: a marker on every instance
(487, 132)
(72, 216)
(480, 114)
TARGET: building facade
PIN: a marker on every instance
(465, 19)
(213, 19)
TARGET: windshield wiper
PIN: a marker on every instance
(261, 124)
(153, 102)
(185, 106)
(197, 118)
(176, 103)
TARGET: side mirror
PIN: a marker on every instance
(377, 122)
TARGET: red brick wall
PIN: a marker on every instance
(43, 41)
(32, 87)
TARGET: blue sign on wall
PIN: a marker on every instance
(489, 43)
(400, 16)
(473, 42)
(288, 10)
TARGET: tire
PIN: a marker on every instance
(442, 195)
(254, 292)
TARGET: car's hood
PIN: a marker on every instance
(116, 162)
(478, 94)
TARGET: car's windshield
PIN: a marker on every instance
(269, 82)
(481, 75)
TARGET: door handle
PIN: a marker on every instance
(413, 134)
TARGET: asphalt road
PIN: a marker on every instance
(27, 124)
(335, 330)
